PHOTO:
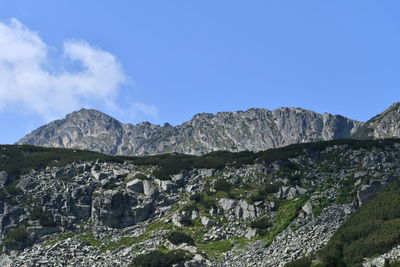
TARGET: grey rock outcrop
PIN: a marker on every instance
(367, 192)
(254, 129)
(383, 125)
(113, 209)
(3, 178)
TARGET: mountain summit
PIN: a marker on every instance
(254, 129)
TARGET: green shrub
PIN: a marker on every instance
(18, 234)
(186, 220)
(178, 238)
(3, 195)
(261, 224)
(334, 257)
(12, 201)
(140, 176)
(45, 217)
(189, 207)
(14, 190)
(302, 262)
(16, 238)
(266, 189)
(392, 264)
(204, 199)
(158, 258)
(36, 213)
(109, 186)
(197, 197)
(222, 185)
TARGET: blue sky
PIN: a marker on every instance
(164, 61)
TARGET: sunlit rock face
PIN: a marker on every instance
(254, 130)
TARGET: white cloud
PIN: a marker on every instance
(150, 110)
(30, 83)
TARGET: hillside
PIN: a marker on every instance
(254, 130)
(264, 208)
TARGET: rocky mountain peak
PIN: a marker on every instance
(254, 129)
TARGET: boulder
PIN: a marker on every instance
(27, 183)
(3, 178)
(307, 208)
(207, 222)
(168, 186)
(367, 192)
(143, 212)
(250, 233)
(149, 189)
(114, 209)
(245, 210)
(135, 186)
(120, 172)
(227, 204)
(100, 175)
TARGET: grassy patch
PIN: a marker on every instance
(58, 238)
(90, 238)
(214, 249)
(287, 212)
(125, 241)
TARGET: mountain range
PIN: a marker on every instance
(255, 129)
(332, 201)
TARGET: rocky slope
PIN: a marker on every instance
(384, 125)
(254, 130)
(60, 207)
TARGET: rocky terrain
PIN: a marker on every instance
(67, 208)
(254, 130)
(384, 125)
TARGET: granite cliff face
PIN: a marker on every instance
(383, 125)
(254, 129)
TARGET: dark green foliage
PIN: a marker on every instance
(45, 217)
(302, 262)
(18, 234)
(140, 176)
(12, 201)
(16, 238)
(189, 207)
(109, 186)
(19, 159)
(333, 257)
(204, 199)
(158, 258)
(36, 213)
(392, 264)
(14, 190)
(222, 185)
(265, 190)
(178, 238)
(186, 220)
(3, 195)
(373, 229)
(47, 220)
(261, 224)
(197, 197)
